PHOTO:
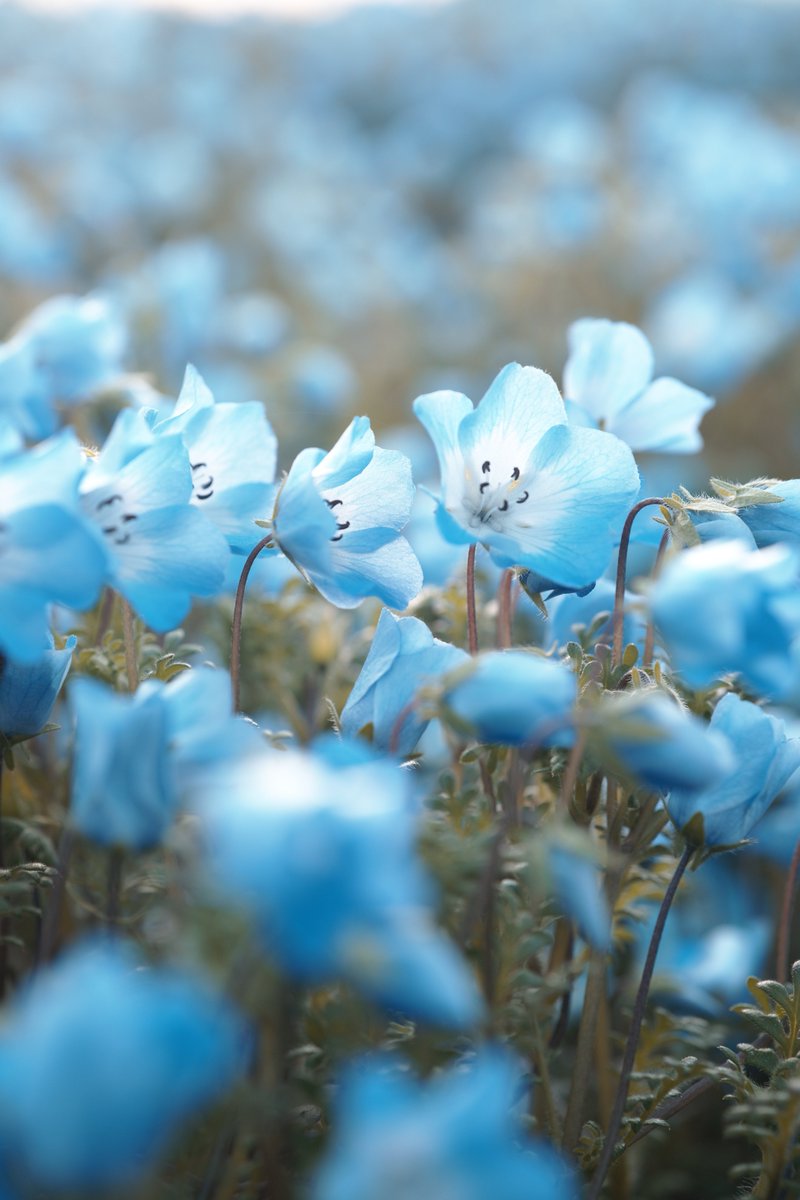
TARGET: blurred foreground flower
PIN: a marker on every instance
(511, 697)
(29, 691)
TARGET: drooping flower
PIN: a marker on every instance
(403, 657)
(511, 697)
(722, 608)
(232, 455)
(608, 381)
(454, 1138)
(48, 554)
(28, 691)
(161, 549)
(765, 759)
(320, 850)
(538, 492)
(101, 1062)
(339, 517)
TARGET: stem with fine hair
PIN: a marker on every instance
(650, 633)
(785, 925)
(637, 1018)
(472, 620)
(622, 567)
(238, 606)
(504, 609)
(129, 634)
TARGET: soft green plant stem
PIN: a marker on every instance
(238, 608)
(637, 1017)
(584, 1053)
(650, 633)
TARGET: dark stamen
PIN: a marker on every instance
(523, 497)
(342, 524)
(484, 486)
(503, 507)
(337, 537)
(332, 503)
(108, 500)
(129, 516)
(197, 466)
(486, 468)
(515, 473)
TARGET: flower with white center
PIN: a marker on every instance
(536, 491)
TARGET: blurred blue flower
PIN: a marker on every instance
(770, 523)
(28, 691)
(568, 613)
(339, 515)
(101, 1062)
(403, 657)
(722, 608)
(48, 555)
(162, 550)
(454, 1138)
(765, 759)
(608, 378)
(511, 697)
(232, 454)
(319, 848)
(577, 883)
(538, 492)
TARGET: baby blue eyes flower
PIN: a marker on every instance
(722, 608)
(538, 492)
(339, 518)
(453, 1138)
(101, 1062)
(770, 523)
(28, 691)
(320, 850)
(511, 698)
(608, 377)
(765, 759)
(403, 657)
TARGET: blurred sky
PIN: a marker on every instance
(300, 9)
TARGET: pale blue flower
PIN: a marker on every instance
(339, 517)
(403, 657)
(102, 1061)
(770, 523)
(577, 884)
(511, 697)
(454, 1138)
(609, 380)
(538, 492)
(28, 691)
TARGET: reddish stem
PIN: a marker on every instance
(622, 567)
(785, 926)
(472, 620)
(238, 606)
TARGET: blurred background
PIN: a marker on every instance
(336, 213)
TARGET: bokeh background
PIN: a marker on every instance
(336, 213)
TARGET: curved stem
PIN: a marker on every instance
(622, 567)
(650, 635)
(637, 1017)
(504, 609)
(238, 606)
(472, 620)
(785, 926)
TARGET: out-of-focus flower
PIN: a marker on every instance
(538, 492)
(577, 885)
(339, 517)
(511, 697)
(765, 758)
(320, 849)
(770, 523)
(101, 1061)
(403, 657)
(28, 691)
(568, 613)
(722, 608)
(454, 1138)
(609, 380)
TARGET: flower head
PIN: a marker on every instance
(511, 697)
(28, 691)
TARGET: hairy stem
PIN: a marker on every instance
(472, 620)
(238, 607)
(622, 568)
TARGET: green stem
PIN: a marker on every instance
(584, 1051)
(622, 567)
(650, 633)
(637, 1017)
(238, 607)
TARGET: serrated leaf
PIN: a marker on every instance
(767, 1022)
(778, 994)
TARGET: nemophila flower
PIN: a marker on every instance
(232, 455)
(538, 492)
(28, 691)
(455, 1137)
(403, 657)
(101, 1061)
(161, 549)
(576, 881)
(319, 848)
(765, 759)
(537, 586)
(511, 697)
(339, 518)
(770, 523)
(608, 380)
(48, 555)
(21, 401)
(722, 608)
(648, 735)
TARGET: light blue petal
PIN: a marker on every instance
(521, 405)
(391, 573)
(28, 692)
(303, 524)
(47, 474)
(442, 413)
(664, 418)
(609, 364)
(351, 454)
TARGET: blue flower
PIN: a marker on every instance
(607, 380)
(722, 608)
(403, 657)
(538, 492)
(454, 1138)
(320, 850)
(232, 454)
(765, 759)
(567, 613)
(511, 697)
(647, 734)
(78, 343)
(48, 555)
(339, 515)
(770, 523)
(576, 881)
(161, 549)
(101, 1062)
(28, 691)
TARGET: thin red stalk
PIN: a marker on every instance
(785, 926)
(650, 635)
(472, 620)
(238, 606)
(622, 567)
